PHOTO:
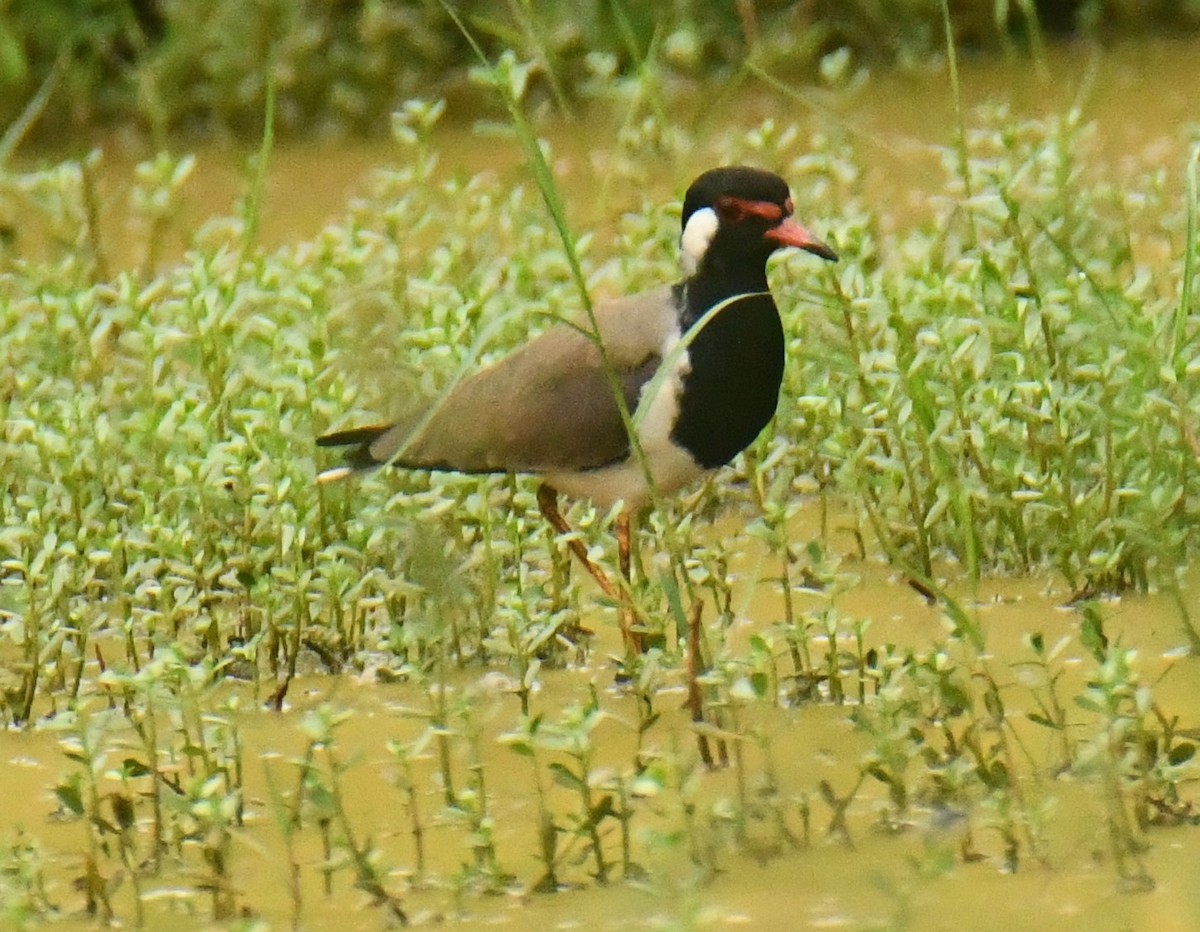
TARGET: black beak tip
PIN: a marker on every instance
(825, 252)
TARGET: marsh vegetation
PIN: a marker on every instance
(931, 641)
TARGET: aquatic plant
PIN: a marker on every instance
(1004, 387)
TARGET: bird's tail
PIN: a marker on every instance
(359, 458)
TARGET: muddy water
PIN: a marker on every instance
(910, 878)
(1141, 96)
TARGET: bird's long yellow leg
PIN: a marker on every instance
(547, 498)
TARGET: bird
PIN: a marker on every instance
(692, 370)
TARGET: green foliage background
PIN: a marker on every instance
(199, 64)
(1011, 386)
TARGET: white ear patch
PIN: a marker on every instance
(697, 234)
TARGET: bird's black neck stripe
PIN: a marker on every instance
(731, 389)
(707, 289)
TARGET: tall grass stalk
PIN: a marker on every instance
(509, 79)
(1191, 256)
(960, 119)
(252, 212)
(19, 128)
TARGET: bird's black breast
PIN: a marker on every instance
(732, 389)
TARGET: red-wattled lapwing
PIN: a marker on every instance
(549, 408)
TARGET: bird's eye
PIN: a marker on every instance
(729, 208)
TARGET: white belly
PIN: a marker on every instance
(672, 469)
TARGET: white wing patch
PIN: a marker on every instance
(699, 232)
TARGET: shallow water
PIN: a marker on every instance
(1140, 95)
(910, 875)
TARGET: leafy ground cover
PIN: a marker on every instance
(202, 66)
(1009, 387)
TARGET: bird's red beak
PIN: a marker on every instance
(790, 233)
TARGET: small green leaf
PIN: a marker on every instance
(1091, 632)
(565, 777)
(132, 767)
(70, 797)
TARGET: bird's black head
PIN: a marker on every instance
(735, 217)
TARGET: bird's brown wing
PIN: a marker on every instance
(546, 406)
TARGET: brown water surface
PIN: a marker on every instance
(909, 875)
(1141, 96)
